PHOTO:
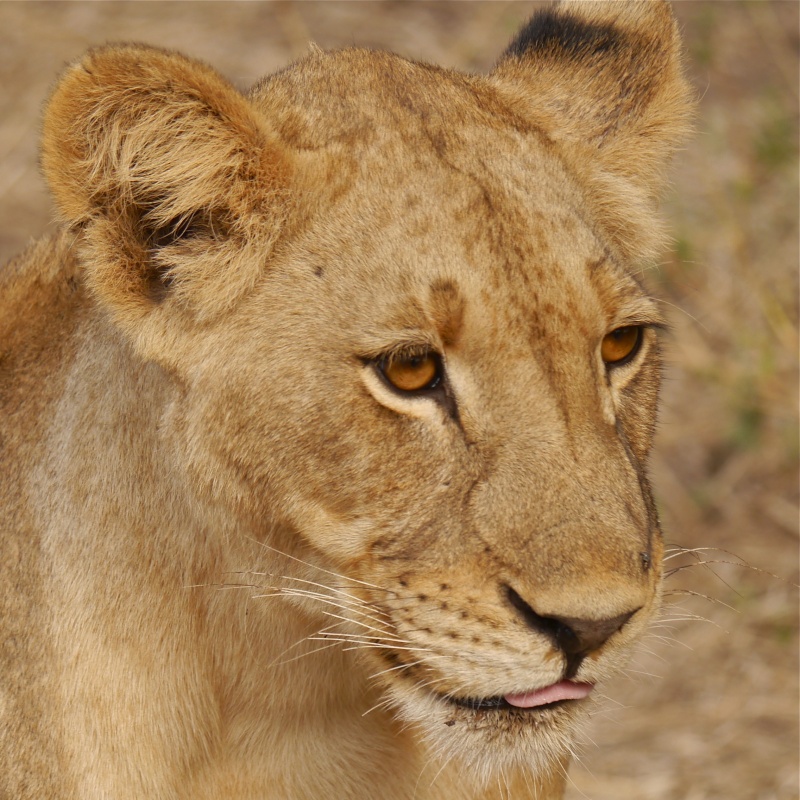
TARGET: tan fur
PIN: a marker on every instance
(235, 562)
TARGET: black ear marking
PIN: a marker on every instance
(198, 224)
(174, 231)
(159, 278)
(158, 282)
(551, 31)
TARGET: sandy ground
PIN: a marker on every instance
(709, 709)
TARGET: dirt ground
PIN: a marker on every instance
(709, 709)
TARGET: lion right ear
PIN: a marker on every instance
(179, 185)
(603, 79)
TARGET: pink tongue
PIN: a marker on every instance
(565, 690)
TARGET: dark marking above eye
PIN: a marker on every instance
(447, 310)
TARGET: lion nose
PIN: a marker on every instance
(572, 635)
(581, 636)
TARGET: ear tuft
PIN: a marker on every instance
(179, 185)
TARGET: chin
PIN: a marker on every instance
(489, 737)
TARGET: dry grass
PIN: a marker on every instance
(721, 718)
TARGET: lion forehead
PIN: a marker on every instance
(357, 95)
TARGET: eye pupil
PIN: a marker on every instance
(621, 344)
(412, 373)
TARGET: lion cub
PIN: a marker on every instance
(325, 419)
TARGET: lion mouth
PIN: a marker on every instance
(546, 697)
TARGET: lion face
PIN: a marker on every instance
(429, 401)
(398, 307)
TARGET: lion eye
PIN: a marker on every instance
(621, 345)
(413, 373)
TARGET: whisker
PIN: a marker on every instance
(611, 700)
(667, 641)
(385, 703)
(364, 625)
(367, 644)
(332, 628)
(338, 590)
(399, 666)
(691, 593)
(682, 310)
(314, 566)
(287, 592)
(631, 671)
(313, 652)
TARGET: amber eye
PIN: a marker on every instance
(621, 345)
(412, 373)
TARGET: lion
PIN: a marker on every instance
(326, 413)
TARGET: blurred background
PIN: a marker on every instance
(709, 707)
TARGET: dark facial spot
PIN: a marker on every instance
(319, 271)
(392, 657)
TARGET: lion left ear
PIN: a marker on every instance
(178, 184)
(605, 81)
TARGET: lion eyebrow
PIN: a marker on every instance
(446, 307)
(397, 342)
(640, 311)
